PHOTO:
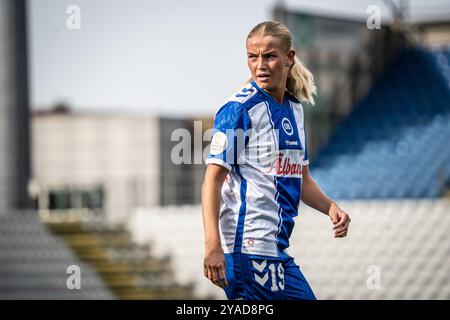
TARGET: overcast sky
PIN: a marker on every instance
(167, 57)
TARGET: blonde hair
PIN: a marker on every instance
(300, 81)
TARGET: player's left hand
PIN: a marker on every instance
(340, 219)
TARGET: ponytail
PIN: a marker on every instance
(300, 82)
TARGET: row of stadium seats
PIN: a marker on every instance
(405, 243)
(129, 270)
(34, 263)
(395, 142)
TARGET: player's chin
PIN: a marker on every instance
(266, 85)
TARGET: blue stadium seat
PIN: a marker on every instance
(394, 144)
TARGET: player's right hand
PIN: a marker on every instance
(214, 266)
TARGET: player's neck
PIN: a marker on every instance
(277, 95)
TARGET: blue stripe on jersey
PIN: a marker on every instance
(287, 197)
(275, 182)
(280, 214)
(288, 190)
(241, 217)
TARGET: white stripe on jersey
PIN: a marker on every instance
(260, 210)
(300, 119)
(229, 212)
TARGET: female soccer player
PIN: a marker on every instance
(258, 166)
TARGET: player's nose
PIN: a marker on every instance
(261, 64)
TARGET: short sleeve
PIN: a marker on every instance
(229, 136)
(302, 134)
(305, 147)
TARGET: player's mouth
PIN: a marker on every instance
(263, 77)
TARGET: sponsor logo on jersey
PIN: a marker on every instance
(291, 143)
(287, 163)
(219, 143)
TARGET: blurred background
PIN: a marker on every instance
(93, 205)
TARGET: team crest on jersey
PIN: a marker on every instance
(287, 126)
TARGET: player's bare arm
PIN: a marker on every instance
(214, 260)
(315, 198)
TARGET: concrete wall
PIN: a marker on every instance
(120, 153)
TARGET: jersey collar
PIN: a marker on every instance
(265, 93)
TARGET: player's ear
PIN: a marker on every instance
(291, 56)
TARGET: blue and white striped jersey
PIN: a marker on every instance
(262, 143)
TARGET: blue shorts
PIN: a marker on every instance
(252, 277)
